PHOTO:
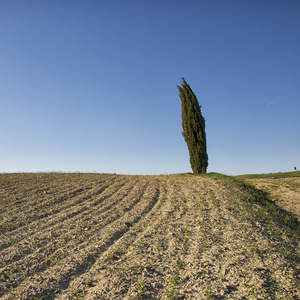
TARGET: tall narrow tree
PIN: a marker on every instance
(193, 125)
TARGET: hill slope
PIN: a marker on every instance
(97, 236)
(283, 189)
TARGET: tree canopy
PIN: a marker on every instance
(193, 125)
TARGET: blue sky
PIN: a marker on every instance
(91, 86)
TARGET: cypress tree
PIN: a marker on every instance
(193, 125)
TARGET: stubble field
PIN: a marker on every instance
(285, 192)
(103, 236)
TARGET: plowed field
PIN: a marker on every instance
(101, 236)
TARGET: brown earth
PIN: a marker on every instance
(97, 236)
(285, 192)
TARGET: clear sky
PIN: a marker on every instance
(91, 85)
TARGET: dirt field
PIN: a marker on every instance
(285, 192)
(96, 236)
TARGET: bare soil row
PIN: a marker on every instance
(102, 236)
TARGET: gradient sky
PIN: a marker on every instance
(91, 85)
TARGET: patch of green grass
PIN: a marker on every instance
(172, 292)
(286, 251)
(213, 198)
(53, 262)
(40, 298)
(233, 210)
(263, 214)
(11, 290)
(113, 256)
(270, 175)
(203, 247)
(175, 280)
(184, 245)
(78, 295)
(88, 283)
(209, 294)
(14, 270)
(203, 273)
(180, 264)
(141, 289)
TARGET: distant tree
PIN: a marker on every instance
(193, 125)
